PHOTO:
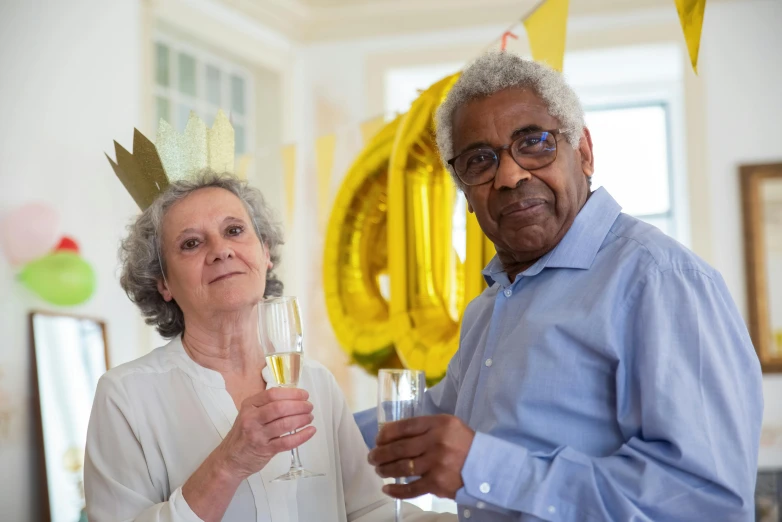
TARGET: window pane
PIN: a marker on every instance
(163, 109)
(663, 223)
(161, 65)
(183, 114)
(213, 85)
(237, 95)
(403, 86)
(209, 116)
(241, 145)
(187, 74)
(631, 157)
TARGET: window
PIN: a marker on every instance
(632, 160)
(634, 108)
(190, 79)
(403, 86)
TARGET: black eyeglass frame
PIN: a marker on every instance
(498, 150)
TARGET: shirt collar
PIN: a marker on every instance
(580, 245)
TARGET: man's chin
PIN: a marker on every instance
(528, 238)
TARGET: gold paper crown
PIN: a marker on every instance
(148, 171)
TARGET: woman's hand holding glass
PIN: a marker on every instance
(261, 430)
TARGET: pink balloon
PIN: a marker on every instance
(29, 232)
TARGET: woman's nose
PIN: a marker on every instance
(220, 251)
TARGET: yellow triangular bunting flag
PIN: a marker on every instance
(691, 17)
(324, 164)
(546, 29)
(371, 127)
(289, 172)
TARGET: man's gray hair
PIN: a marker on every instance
(143, 264)
(499, 70)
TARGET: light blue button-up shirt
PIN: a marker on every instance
(612, 380)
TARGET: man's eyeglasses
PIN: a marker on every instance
(531, 151)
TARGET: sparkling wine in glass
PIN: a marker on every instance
(280, 333)
(400, 395)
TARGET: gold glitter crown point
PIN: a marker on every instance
(147, 172)
(198, 148)
(141, 172)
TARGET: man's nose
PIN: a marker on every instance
(509, 173)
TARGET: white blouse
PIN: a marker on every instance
(155, 420)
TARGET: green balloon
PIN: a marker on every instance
(62, 278)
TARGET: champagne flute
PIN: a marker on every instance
(400, 395)
(280, 334)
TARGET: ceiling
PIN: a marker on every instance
(316, 20)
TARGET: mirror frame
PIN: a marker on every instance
(43, 480)
(755, 260)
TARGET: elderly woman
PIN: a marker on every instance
(191, 431)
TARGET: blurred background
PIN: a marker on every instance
(74, 76)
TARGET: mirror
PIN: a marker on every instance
(69, 356)
(762, 206)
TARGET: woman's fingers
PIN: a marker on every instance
(276, 394)
(285, 425)
(294, 440)
(281, 409)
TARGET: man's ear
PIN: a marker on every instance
(585, 151)
(162, 287)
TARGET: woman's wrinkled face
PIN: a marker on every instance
(214, 260)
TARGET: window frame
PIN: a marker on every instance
(203, 107)
(671, 214)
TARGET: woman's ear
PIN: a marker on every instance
(162, 287)
(268, 256)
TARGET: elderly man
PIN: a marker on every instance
(605, 373)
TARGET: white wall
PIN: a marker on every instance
(69, 78)
(741, 68)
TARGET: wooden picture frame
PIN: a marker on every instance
(754, 179)
(48, 481)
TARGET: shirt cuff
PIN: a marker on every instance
(500, 476)
(182, 508)
(492, 469)
(465, 501)
(367, 424)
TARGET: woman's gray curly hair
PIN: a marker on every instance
(143, 265)
(499, 70)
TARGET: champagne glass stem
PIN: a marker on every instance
(397, 510)
(295, 461)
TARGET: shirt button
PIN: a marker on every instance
(552, 509)
(488, 362)
(467, 513)
(485, 487)
(508, 292)
(480, 505)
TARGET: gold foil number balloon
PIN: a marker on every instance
(430, 284)
(355, 267)
(393, 226)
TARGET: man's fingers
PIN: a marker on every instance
(404, 428)
(415, 489)
(398, 450)
(277, 394)
(406, 468)
(294, 440)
